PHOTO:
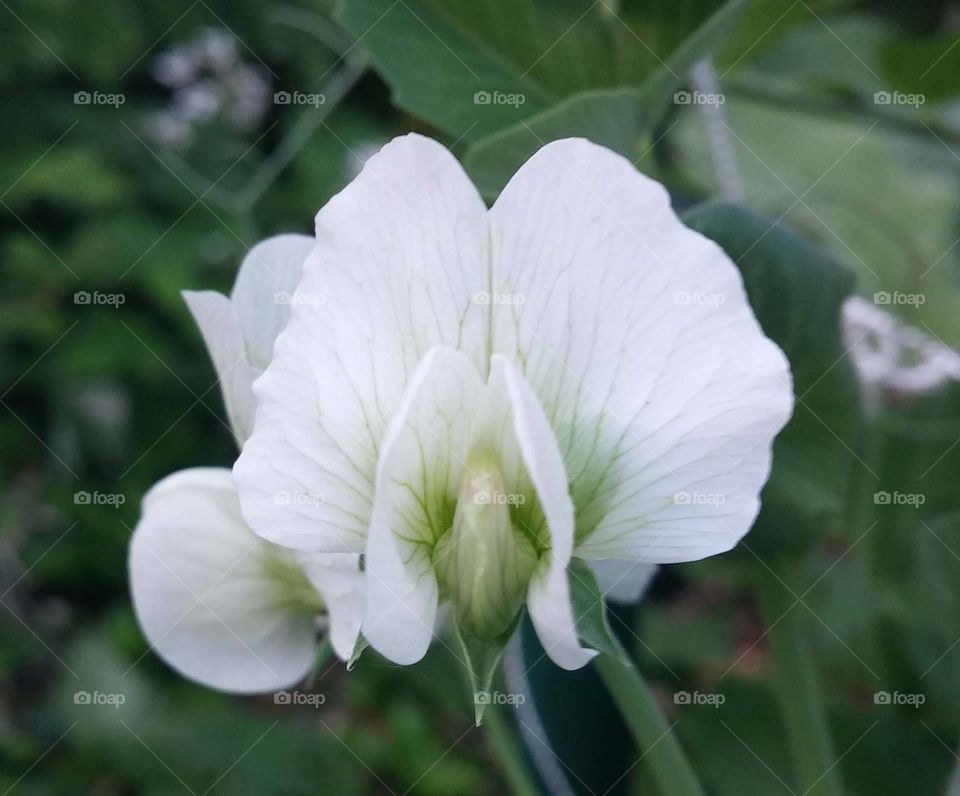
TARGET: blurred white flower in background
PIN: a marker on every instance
(893, 358)
(207, 80)
(480, 396)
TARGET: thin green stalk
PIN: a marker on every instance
(798, 689)
(504, 745)
(655, 738)
(502, 742)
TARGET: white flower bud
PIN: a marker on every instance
(484, 563)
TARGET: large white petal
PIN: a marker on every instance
(401, 254)
(223, 337)
(421, 461)
(636, 335)
(261, 295)
(206, 589)
(548, 596)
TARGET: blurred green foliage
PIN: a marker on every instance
(131, 203)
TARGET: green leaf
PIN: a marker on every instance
(590, 611)
(610, 117)
(843, 172)
(834, 68)
(68, 175)
(929, 67)
(617, 118)
(437, 56)
(475, 69)
(764, 27)
(796, 290)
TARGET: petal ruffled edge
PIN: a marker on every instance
(215, 316)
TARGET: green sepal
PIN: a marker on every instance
(482, 656)
(358, 650)
(590, 611)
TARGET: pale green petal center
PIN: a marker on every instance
(292, 589)
(483, 563)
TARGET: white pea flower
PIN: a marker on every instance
(220, 604)
(482, 395)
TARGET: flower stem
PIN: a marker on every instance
(798, 690)
(504, 745)
(649, 727)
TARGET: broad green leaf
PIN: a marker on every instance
(796, 291)
(764, 24)
(843, 169)
(472, 68)
(930, 67)
(847, 53)
(914, 540)
(68, 175)
(617, 118)
(437, 56)
(605, 116)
